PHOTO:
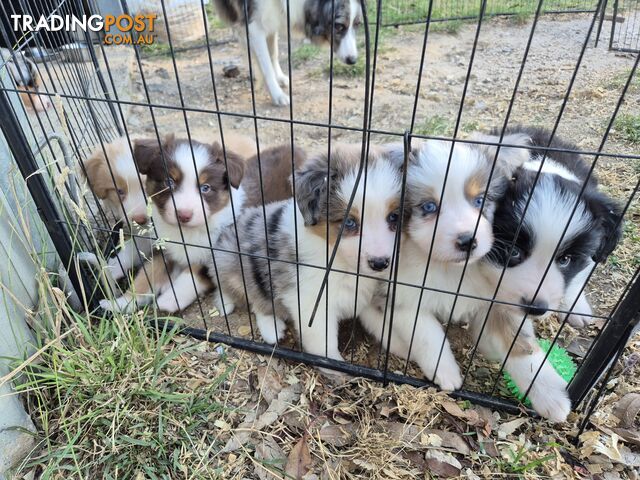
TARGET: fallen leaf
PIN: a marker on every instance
(508, 428)
(627, 409)
(286, 398)
(244, 330)
(416, 458)
(442, 464)
(268, 454)
(412, 435)
(431, 439)
(299, 461)
(469, 415)
(337, 435)
(579, 346)
(489, 447)
(269, 384)
(607, 445)
(488, 418)
(222, 425)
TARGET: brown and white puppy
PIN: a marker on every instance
(192, 188)
(26, 77)
(448, 186)
(276, 166)
(323, 189)
(113, 177)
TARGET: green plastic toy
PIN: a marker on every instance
(559, 359)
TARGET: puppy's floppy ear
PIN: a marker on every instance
(147, 154)
(235, 168)
(395, 153)
(609, 213)
(311, 190)
(97, 173)
(509, 158)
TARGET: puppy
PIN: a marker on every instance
(276, 165)
(113, 176)
(26, 77)
(323, 188)
(591, 235)
(438, 263)
(316, 19)
(190, 207)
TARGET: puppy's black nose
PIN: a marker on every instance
(536, 309)
(350, 60)
(466, 242)
(379, 263)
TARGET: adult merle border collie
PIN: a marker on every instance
(316, 19)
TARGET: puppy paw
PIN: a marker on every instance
(167, 302)
(271, 332)
(229, 307)
(283, 80)
(448, 376)
(280, 99)
(115, 269)
(121, 304)
(554, 404)
(579, 321)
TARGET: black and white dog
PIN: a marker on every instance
(319, 20)
(552, 234)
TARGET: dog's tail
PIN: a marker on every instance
(232, 11)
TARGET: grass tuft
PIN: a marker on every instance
(347, 71)
(437, 125)
(452, 27)
(304, 53)
(628, 127)
(117, 399)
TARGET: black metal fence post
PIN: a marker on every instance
(54, 223)
(614, 337)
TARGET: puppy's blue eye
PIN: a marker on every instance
(478, 201)
(564, 260)
(392, 218)
(350, 223)
(171, 183)
(205, 188)
(516, 257)
(121, 192)
(429, 207)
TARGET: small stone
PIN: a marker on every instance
(162, 73)
(230, 71)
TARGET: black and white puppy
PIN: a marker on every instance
(550, 236)
(318, 20)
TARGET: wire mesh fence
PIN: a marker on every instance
(625, 27)
(342, 227)
(399, 12)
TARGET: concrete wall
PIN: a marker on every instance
(21, 253)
